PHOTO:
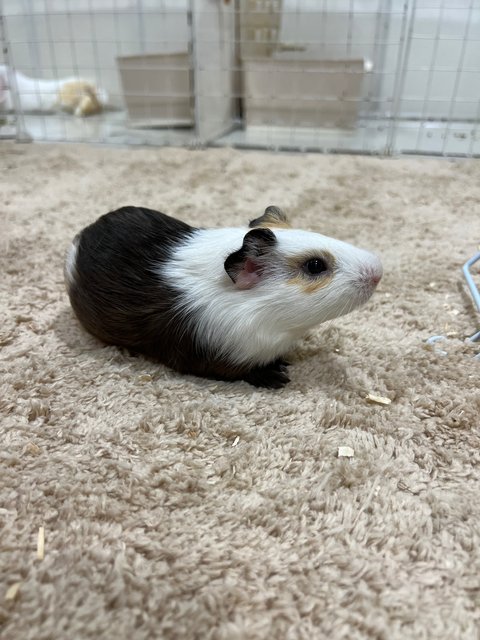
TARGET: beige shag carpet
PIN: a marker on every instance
(179, 508)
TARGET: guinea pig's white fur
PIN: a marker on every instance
(260, 323)
(70, 261)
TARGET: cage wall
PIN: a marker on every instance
(367, 76)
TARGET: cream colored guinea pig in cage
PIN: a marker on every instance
(74, 95)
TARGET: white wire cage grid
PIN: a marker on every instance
(357, 76)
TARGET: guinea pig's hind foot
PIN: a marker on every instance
(271, 376)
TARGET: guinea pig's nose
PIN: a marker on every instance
(371, 274)
(376, 276)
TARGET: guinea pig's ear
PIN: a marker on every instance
(273, 217)
(246, 266)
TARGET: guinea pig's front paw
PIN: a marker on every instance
(271, 376)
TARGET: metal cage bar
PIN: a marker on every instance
(473, 288)
(358, 76)
(18, 131)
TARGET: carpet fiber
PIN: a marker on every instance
(177, 507)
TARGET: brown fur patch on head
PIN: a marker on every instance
(273, 226)
(302, 280)
(273, 217)
(310, 285)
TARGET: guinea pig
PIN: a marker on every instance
(224, 303)
(75, 95)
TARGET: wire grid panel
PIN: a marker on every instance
(54, 43)
(365, 76)
(438, 107)
(8, 128)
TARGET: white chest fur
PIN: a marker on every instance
(262, 323)
(237, 324)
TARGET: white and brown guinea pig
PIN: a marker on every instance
(223, 303)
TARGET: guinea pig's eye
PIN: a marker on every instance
(315, 266)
